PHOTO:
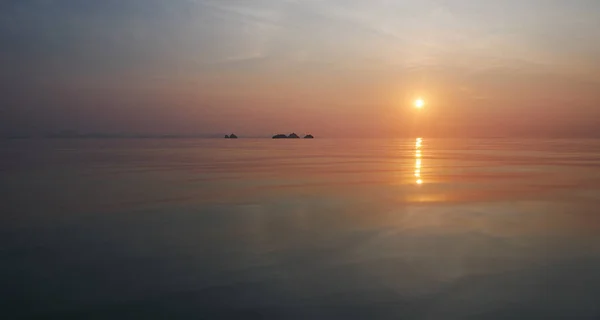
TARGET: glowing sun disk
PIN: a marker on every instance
(419, 103)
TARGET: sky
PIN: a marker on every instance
(328, 67)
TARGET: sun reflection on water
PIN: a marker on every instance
(418, 162)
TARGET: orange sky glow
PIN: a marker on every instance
(335, 69)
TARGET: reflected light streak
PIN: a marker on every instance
(418, 145)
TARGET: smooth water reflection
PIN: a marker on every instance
(497, 229)
(418, 147)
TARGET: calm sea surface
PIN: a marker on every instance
(300, 229)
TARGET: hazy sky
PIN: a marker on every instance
(329, 67)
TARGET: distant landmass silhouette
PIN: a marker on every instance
(291, 136)
(309, 136)
(232, 136)
(226, 136)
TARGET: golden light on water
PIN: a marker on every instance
(418, 161)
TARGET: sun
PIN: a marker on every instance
(419, 103)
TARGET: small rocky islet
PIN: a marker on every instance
(277, 136)
(292, 136)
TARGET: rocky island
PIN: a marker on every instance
(291, 136)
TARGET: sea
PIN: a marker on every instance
(415, 228)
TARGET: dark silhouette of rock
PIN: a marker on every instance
(232, 136)
(309, 136)
(291, 136)
(226, 137)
